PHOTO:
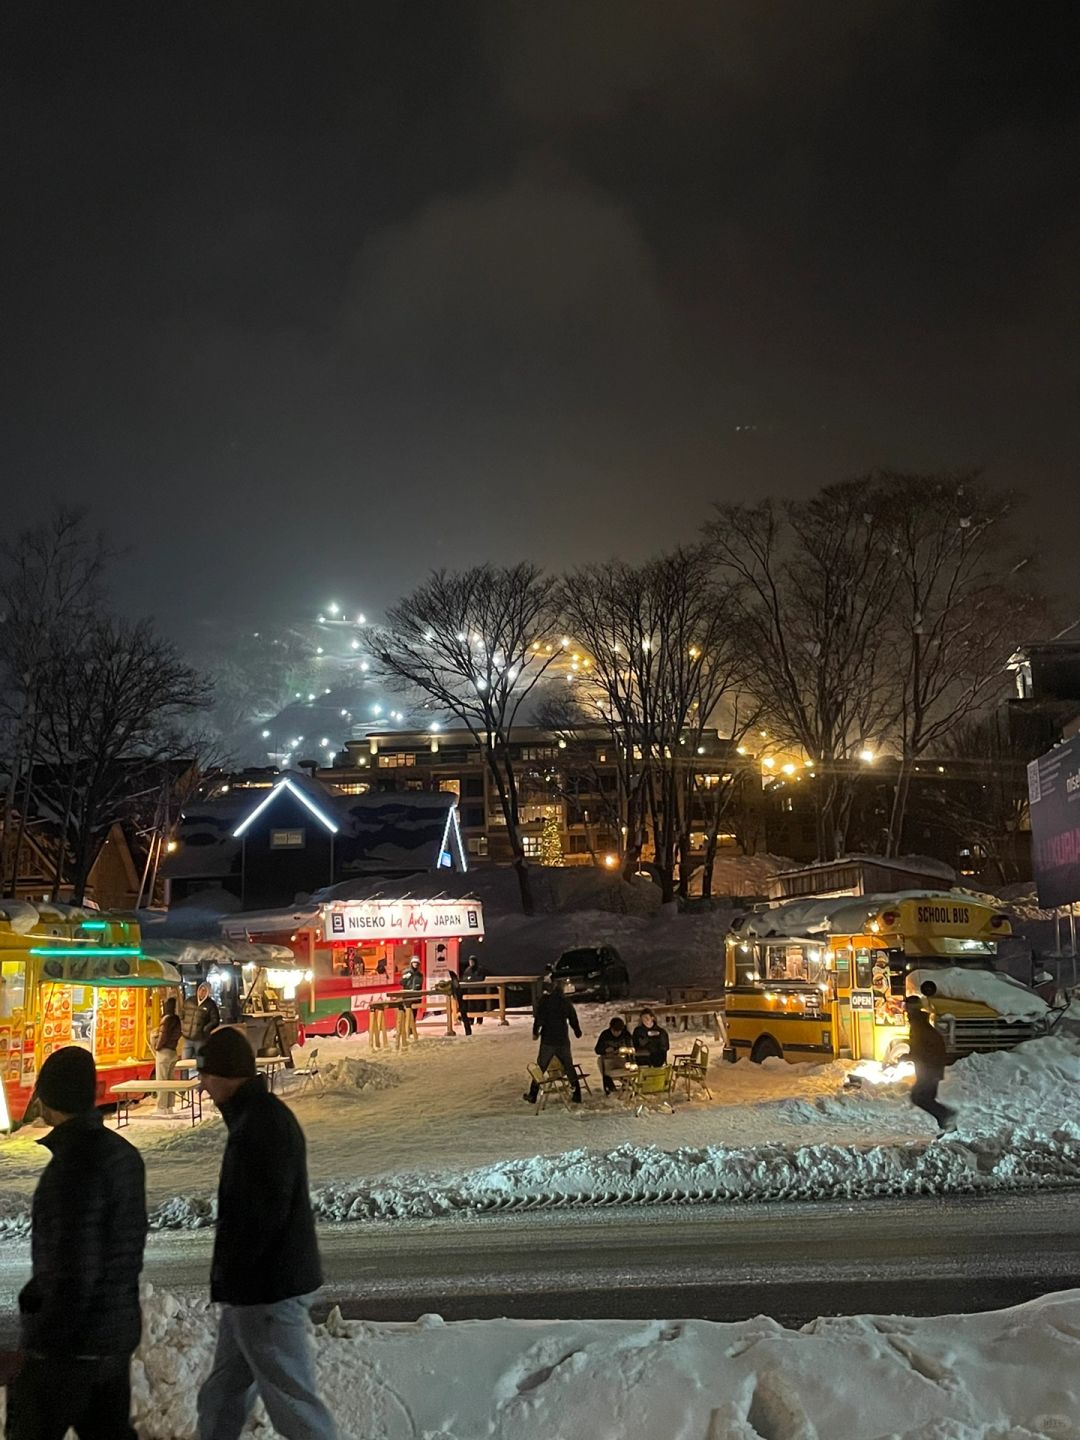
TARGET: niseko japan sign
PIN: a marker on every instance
(360, 920)
(1054, 792)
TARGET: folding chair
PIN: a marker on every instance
(648, 1082)
(311, 1075)
(690, 1070)
(554, 1082)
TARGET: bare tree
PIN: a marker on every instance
(812, 589)
(476, 643)
(50, 588)
(662, 657)
(962, 600)
(111, 721)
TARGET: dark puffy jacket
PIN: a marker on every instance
(610, 1044)
(926, 1046)
(651, 1044)
(199, 1019)
(89, 1231)
(412, 979)
(554, 1018)
(265, 1249)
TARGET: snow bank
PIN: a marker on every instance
(1005, 1375)
(1003, 994)
(349, 1076)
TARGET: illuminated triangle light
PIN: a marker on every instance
(295, 790)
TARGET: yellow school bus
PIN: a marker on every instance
(818, 979)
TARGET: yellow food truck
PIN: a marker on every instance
(825, 978)
(71, 976)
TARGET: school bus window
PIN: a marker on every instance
(864, 970)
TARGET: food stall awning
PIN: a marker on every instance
(217, 952)
(142, 972)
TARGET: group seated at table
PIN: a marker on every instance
(621, 1052)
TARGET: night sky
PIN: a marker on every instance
(305, 299)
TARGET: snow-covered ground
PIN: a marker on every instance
(443, 1127)
(1005, 1375)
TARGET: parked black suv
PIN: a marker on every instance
(592, 971)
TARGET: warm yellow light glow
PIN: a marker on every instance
(789, 769)
(768, 762)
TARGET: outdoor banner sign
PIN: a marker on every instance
(374, 920)
(1054, 792)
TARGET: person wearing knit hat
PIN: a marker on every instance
(265, 1267)
(80, 1314)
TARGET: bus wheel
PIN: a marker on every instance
(345, 1027)
(766, 1048)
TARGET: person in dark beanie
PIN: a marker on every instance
(266, 1267)
(80, 1313)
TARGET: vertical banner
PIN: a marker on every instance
(1054, 795)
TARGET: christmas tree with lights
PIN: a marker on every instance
(551, 851)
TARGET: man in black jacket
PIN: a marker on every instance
(553, 1019)
(651, 1042)
(199, 1018)
(266, 1266)
(80, 1310)
(926, 1051)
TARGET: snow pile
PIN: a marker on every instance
(350, 1076)
(1003, 994)
(1005, 1375)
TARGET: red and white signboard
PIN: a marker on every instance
(373, 920)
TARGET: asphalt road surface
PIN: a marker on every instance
(793, 1261)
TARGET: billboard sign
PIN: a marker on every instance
(1054, 793)
(375, 920)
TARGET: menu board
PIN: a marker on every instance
(55, 1019)
(107, 1024)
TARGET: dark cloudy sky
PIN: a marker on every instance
(304, 299)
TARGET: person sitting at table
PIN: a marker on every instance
(613, 1047)
(650, 1041)
(413, 978)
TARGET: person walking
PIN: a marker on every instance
(166, 1047)
(265, 1268)
(199, 1019)
(553, 1020)
(926, 1051)
(80, 1316)
(475, 974)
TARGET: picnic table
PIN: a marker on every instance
(677, 1016)
(495, 988)
(126, 1091)
(267, 1065)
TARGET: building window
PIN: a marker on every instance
(477, 845)
(450, 787)
(531, 845)
(355, 787)
(286, 839)
(396, 761)
(579, 845)
(530, 814)
(474, 786)
(539, 752)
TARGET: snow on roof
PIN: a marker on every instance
(381, 832)
(908, 864)
(831, 915)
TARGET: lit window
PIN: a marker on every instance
(477, 845)
(531, 846)
(286, 839)
(450, 787)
